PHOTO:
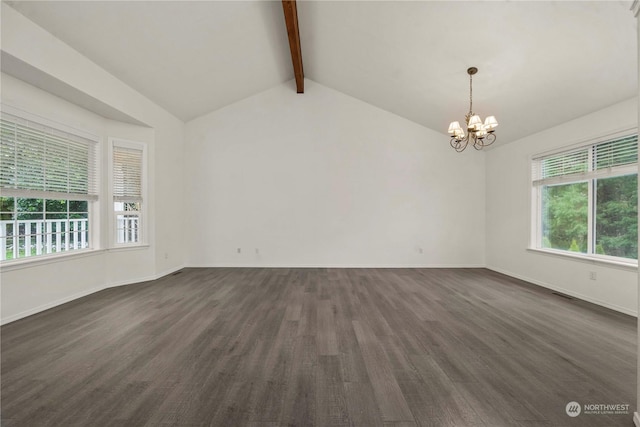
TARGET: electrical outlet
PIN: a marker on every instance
(593, 275)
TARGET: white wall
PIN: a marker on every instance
(34, 288)
(508, 215)
(323, 179)
(30, 287)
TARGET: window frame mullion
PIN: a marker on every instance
(593, 195)
(591, 199)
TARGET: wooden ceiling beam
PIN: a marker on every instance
(291, 19)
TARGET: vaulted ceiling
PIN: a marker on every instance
(540, 63)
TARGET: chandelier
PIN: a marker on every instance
(478, 134)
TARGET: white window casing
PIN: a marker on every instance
(612, 156)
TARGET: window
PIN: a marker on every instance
(586, 199)
(128, 165)
(48, 182)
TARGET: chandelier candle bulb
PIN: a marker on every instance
(478, 134)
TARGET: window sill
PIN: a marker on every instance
(631, 265)
(21, 263)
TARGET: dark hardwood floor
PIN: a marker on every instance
(324, 347)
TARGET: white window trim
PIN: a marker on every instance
(28, 262)
(94, 205)
(621, 263)
(535, 223)
(585, 142)
(143, 241)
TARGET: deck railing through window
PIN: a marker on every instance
(26, 238)
(127, 228)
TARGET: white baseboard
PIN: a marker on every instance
(231, 265)
(129, 282)
(49, 305)
(636, 419)
(61, 301)
(144, 279)
(566, 292)
(168, 272)
(84, 293)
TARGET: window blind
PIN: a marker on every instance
(127, 174)
(620, 152)
(37, 161)
(615, 157)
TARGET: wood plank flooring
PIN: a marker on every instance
(323, 347)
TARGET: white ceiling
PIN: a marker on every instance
(188, 57)
(540, 63)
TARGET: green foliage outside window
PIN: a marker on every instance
(565, 216)
(565, 211)
(617, 216)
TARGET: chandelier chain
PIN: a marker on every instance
(470, 95)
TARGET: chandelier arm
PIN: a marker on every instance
(485, 142)
(477, 142)
(489, 139)
(459, 144)
(461, 147)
